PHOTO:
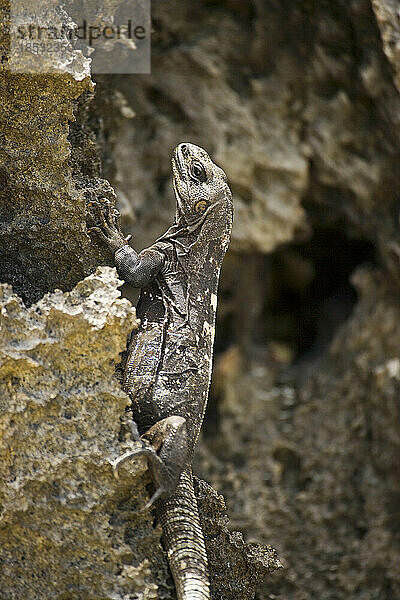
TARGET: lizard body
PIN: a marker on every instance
(168, 369)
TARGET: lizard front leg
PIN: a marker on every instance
(136, 269)
(139, 270)
(109, 230)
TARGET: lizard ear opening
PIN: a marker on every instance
(200, 206)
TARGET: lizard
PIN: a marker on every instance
(168, 369)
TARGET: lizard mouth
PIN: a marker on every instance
(179, 172)
(177, 192)
(178, 163)
(178, 181)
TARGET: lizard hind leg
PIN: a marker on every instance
(168, 438)
(177, 511)
(165, 446)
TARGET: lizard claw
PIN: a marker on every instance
(144, 451)
(121, 459)
(109, 229)
(159, 492)
(134, 431)
(156, 465)
(98, 232)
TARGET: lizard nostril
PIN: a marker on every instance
(184, 150)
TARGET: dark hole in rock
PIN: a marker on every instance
(285, 308)
(313, 292)
(297, 296)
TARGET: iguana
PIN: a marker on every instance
(168, 369)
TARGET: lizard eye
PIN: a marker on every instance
(199, 172)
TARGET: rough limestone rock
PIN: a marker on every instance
(43, 184)
(388, 18)
(43, 240)
(247, 564)
(310, 458)
(68, 527)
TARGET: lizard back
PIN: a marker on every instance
(168, 370)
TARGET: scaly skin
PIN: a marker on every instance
(183, 540)
(168, 370)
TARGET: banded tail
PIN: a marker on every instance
(184, 542)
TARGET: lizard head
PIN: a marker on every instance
(199, 184)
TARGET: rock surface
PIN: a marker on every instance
(309, 456)
(236, 568)
(68, 527)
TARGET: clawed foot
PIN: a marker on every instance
(110, 230)
(135, 437)
(158, 469)
(165, 447)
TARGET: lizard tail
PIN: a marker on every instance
(184, 542)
